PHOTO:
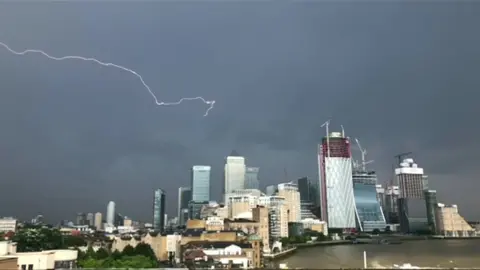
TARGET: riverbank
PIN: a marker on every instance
(281, 254)
(323, 243)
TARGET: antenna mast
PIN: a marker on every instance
(326, 124)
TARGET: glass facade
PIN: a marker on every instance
(159, 210)
(368, 210)
(200, 183)
(251, 178)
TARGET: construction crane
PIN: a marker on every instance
(326, 124)
(364, 154)
(401, 156)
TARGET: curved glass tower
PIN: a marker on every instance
(368, 212)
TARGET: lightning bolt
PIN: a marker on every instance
(210, 103)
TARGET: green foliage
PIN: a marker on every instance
(101, 254)
(74, 241)
(376, 231)
(128, 251)
(38, 239)
(145, 250)
(116, 255)
(142, 256)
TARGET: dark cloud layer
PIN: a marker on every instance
(398, 76)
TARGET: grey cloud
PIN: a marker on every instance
(398, 76)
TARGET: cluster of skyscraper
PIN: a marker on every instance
(351, 199)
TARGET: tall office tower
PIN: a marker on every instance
(81, 219)
(98, 221)
(411, 203)
(381, 197)
(251, 178)
(304, 187)
(234, 173)
(309, 203)
(200, 183)
(159, 209)
(425, 182)
(90, 219)
(431, 201)
(271, 190)
(111, 213)
(410, 179)
(292, 199)
(337, 201)
(368, 211)
(184, 196)
(391, 204)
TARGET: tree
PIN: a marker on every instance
(90, 253)
(145, 250)
(74, 241)
(376, 231)
(101, 254)
(116, 255)
(128, 251)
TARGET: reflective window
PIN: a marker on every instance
(368, 207)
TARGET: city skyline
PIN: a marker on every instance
(75, 136)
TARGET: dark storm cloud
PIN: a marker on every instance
(400, 77)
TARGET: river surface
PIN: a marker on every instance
(424, 253)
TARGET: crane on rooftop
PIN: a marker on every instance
(364, 154)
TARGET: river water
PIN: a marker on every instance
(424, 253)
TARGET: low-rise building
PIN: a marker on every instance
(8, 224)
(450, 223)
(48, 259)
(224, 254)
(315, 225)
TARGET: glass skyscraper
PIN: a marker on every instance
(251, 178)
(368, 211)
(159, 210)
(200, 183)
(184, 197)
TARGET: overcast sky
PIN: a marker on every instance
(74, 135)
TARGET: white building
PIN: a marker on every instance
(111, 213)
(234, 173)
(411, 179)
(292, 197)
(336, 184)
(48, 259)
(8, 224)
(278, 215)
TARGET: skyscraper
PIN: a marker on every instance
(234, 172)
(90, 219)
(336, 195)
(111, 213)
(184, 196)
(159, 209)
(410, 179)
(81, 219)
(289, 191)
(368, 210)
(200, 183)
(251, 178)
(98, 221)
(412, 208)
(304, 187)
